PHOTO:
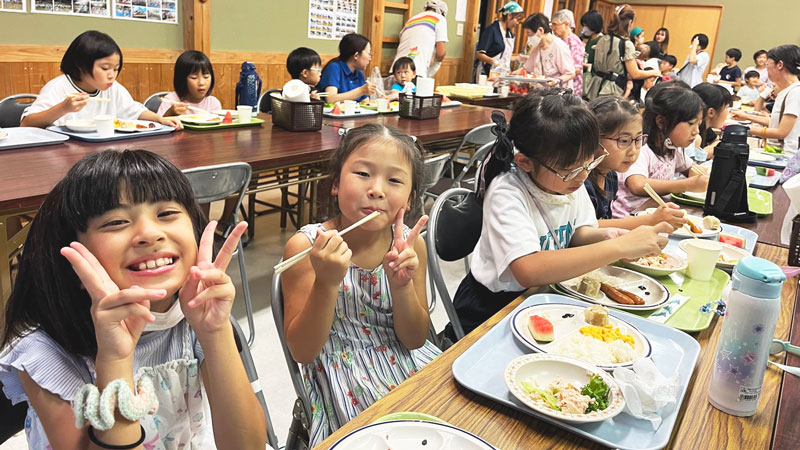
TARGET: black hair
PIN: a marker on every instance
(349, 45)
(759, 53)
(47, 294)
(402, 63)
(612, 113)
(675, 103)
(670, 59)
(789, 54)
(536, 21)
(550, 126)
(189, 63)
(734, 53)
(662, 45)
(702, 40)
(593, 20)
(84, 50)
(751, 74)
(714, 96)
(411, 149)
(300, 59)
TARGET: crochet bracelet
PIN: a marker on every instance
(98, 409)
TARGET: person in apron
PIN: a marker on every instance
(496, 44)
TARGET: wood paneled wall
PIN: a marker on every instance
(25, 69)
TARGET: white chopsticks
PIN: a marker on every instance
(654, 195)
(284, 265)
(188, 106)
(93, 99)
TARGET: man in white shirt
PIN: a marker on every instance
(696, 62)
(424, 38)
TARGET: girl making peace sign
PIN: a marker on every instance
(140, 302)
(356, 312)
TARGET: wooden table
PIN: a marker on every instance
(699, 426)
(28, 174)
(491, 102)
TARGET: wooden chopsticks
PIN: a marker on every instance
(654, 195)
(700, 170)
(284, 265)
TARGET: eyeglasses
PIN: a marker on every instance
(316, 69)
(575, 172)
(625, 142)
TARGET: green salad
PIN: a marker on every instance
(565, 397)
(773, 149)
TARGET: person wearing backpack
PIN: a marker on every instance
(615, 58)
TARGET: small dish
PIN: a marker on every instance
(681, 233)
(676, 264)
(763, 157)
(200, 119)
(410, 435)
(81, 125)
(544, 369)
(133, 126)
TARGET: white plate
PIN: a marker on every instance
(492, 95)
(81, 125)
(756, 156)
(729, 252)
(697, 220)
(137, 123)
(567, 321)
(654, 293)
(411, 435)
(222, 112)
(200, 119)
(545, 369)
(678, 264)
(764, 152)
(3, 134)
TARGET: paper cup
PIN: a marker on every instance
(702, 257)
(425, 87)
(482, 79)
(105, 125)
(504, 91)
(349, 106)
(383, 105)
(244, 113)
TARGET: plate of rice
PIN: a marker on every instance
(589, 334)
(647, 293)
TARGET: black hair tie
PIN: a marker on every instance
(101, 444)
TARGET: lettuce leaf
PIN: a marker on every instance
(547, 396)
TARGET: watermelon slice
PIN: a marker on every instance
(736, 241)
(228, 118)
(540, 328)
(336, 109)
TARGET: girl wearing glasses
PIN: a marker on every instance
(672, 119)
(538, 221)
(621, 136)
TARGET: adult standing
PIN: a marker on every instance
(615, 58)
(592, 30)
(783, 126)
(343, 76)
(550, 56)
(562, 24)
(496, 44)
(424, 38)
(658, 46)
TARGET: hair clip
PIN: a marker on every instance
(343, 131)
(413, 138)
(619, 8)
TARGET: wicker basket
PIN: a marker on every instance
(794, 243)
(415, 107)
(296, 116)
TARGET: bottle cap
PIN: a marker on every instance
(758, 277)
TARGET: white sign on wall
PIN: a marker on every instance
(332, 19)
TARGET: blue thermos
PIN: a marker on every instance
(248, 89)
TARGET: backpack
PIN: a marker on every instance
(248, 89)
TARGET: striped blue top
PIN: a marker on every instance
(363, 359)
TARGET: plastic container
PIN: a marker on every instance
(416, 107)
(297, 116)
(752, 310)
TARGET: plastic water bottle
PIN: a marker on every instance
(752, 312)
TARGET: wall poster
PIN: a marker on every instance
(164, 11)
(332, 19)
(85, 8)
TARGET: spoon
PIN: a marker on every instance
(779, 346)
(788, 369)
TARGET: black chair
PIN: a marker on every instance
(11, 109)
(264, 103)
(154, 101)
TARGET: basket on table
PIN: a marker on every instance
(296, 116)
(416, 107)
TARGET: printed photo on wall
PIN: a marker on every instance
(94, 8)
(332, 19)
(164, 11)
(12, 5)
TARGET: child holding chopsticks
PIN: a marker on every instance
(671, 121)
(356, 311)
(88, 87)
(193, 80)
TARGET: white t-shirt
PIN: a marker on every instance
(692, 74)
(418, 39)
(121, 104)
(513, 226)
(747, 94)
(791, 96)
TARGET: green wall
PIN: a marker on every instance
(748, 26)
(54, 29)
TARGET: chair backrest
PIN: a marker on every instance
(477, 157)
(291, 364)
(11, 109)
(212, 183)
(264, 103)
(479, 135)
(434, 168)
(154, 101)
(252, 376)
(454, 219)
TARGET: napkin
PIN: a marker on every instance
(296, 91)
(646, 390)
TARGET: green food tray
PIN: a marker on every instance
(216, 126)
(759, 201)
(690, 316)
